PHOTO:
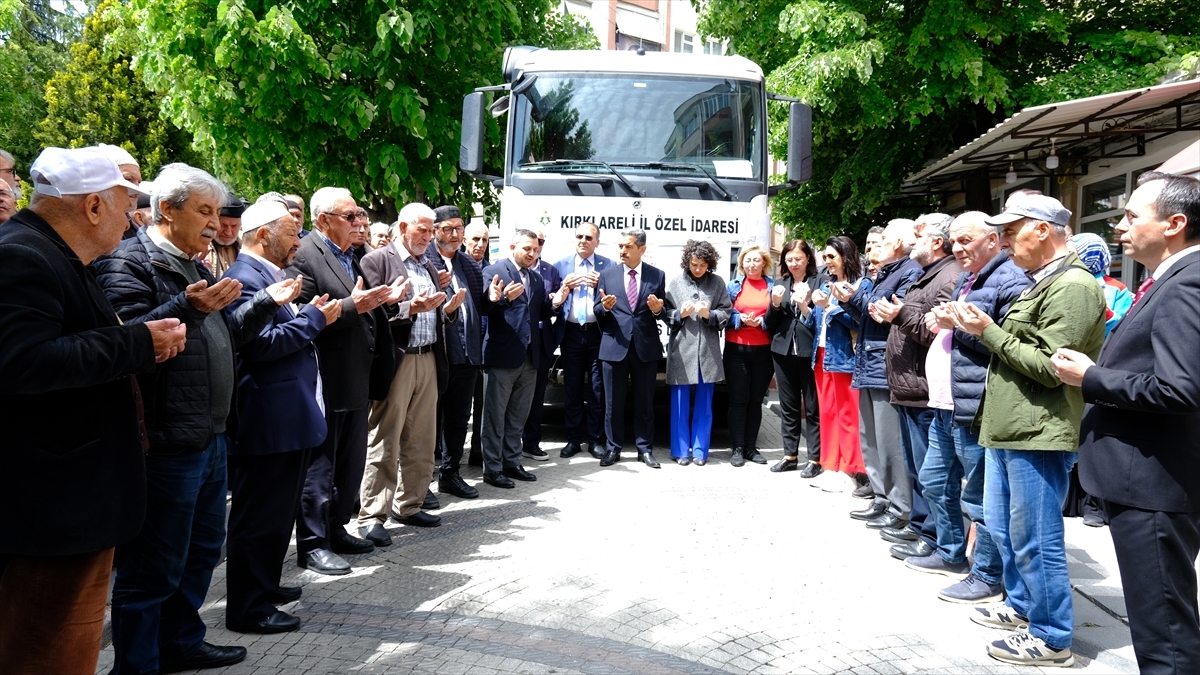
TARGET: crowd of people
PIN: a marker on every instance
(326, 377)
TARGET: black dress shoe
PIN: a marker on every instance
(902, 535)
(431, 502)
(872, 512)
(756, 457)
(418, 519)
(497, 479)
(863, 492)
(738, 458)
(595, 449)
(647, 458)
(886, 520)
(682, 461)
(919, 548)
(376, 534)
(518, 472)
(284, 594)
(785, 464)
(208, 656)
(570, 450)
(341, 541)
(279, 622)
(453, 484)
(323, 561)
(611, 457)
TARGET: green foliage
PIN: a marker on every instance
(99, 98)
(365, 94)
(34, 39)
(559, 134)
(896, 85)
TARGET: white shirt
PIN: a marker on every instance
(1165, 266)
(276, 273)
(165, 244)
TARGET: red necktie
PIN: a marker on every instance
(1142, 289)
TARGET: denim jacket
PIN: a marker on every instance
(839, 344)
(735, 288)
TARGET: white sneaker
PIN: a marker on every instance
(1024, 649)
(838, 482)
(999, 616)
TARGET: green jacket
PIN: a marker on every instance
(1025, 407)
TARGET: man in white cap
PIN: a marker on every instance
(66, 350)
(164, 573)
(130, 170)
(282, 418)
(1030, 428)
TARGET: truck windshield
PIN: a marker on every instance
(638, 122)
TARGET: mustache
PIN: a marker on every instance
(208, 232)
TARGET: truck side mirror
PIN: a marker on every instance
(799, 160)
(470, 147)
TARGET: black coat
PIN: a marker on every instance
(1140, 441)
(623, 327)
(870, 362)
(513, 327)
(142, 285)
(787, 324)
(909, 341)
(67, 404)
(464, 337)
(347, 346)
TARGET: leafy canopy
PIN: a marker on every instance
(895, 85)
(365, 94)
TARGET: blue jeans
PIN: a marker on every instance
(955, 453)
(914, 437)
(1023, 496)
(691, 425)
(164, 573)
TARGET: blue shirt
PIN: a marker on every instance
(346, 258)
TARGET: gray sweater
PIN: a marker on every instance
(694, 348)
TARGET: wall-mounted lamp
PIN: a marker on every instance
(1052, 158)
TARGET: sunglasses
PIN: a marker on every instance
(828, 256)
(584, 237)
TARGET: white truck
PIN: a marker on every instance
(674, 144)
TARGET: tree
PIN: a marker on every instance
(896, 85)
(34, 39)
(99, 98)
(365, 94)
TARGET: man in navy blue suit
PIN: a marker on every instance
(282, 417)
(531, 437)
(511, 351)
(1139, 450)
(629, 303)
(578, 337)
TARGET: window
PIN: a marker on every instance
(684, 43)
(713, 47)
(1102, 206)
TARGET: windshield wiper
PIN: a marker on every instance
(591, 162)
(725, 193)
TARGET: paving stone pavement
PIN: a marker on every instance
(630, 569)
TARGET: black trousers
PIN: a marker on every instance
(266, 492)
(747, 375)
(531, 433)
(619, 378)
(1156, 552)
(477, 418)
(798, 405)
(332, 480)
(583, 402)
(454, 408)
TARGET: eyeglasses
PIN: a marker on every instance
(584, 237)
(541, 242)
(451, 229)
(829, 256)
(347, 216)
(12, 171)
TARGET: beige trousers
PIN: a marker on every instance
(403, 432)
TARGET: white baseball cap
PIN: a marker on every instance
(120, 156)
(59, 172)
(261, 213)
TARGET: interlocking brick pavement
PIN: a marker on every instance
(629, 569)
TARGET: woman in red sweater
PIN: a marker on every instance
(747, 354)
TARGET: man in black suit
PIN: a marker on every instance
(1140, 447)
(281, 415)
(628, 304)
(531, 436)
(478, 241)
(511, 352)
(65, 351)
(348, 349)
(464, 347)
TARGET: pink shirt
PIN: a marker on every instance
(937, 364)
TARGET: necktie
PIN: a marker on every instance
(631, 290)
(581, 297)
(525, 282)
(1142, 289)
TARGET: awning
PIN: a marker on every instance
(639, 25)
(1186, 163)
(1083, 130)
